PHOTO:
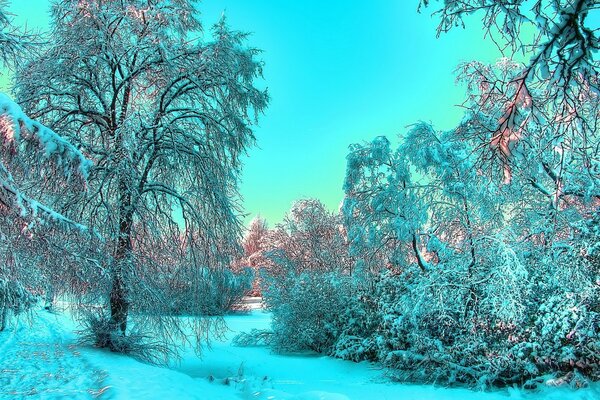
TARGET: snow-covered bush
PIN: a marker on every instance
(14, 298)
(564, 337)
(306, 308)
(216, 294)
(431, 334)
(563, 331)
(360, 327)
(306, 280)
(326, 312)
(98, 330)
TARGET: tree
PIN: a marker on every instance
(559, 34)
(254, 256)
(36, 165)
(309, 239)
(14, 41)
(468, 273)
(475, 227)
(380, 217)
(165, 116)
(551, 101)
(253, 239)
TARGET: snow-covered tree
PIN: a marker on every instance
(478, 229)
(14, 41)
(253, 238)
(253, 244)
(309, 239)
(253, 257)
(550, 101)
(36, 165)
(381, 212)
(165, 112)
(461, 260)
(560, 36)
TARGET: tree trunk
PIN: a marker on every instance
(119, 305)
(3, 318)
(472, 300)
(119, 302)
(49, 298)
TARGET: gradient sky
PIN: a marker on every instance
(337, 74)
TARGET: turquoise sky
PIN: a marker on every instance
(338, 72)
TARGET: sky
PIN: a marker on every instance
(338, 73)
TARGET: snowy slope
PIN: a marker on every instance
(44, 361)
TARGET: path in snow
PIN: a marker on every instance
(38, 359)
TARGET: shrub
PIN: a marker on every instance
(15, 298)
(216, 294)
(565, 336)
(360, 326)
(306, 310)
(256, 337)
(99, 331)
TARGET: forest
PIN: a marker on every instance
(461, 263)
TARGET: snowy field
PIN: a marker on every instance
(40, 358)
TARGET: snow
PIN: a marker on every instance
(17, 127)
(40, 358)
(52, 143)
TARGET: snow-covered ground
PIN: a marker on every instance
(41, 359)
